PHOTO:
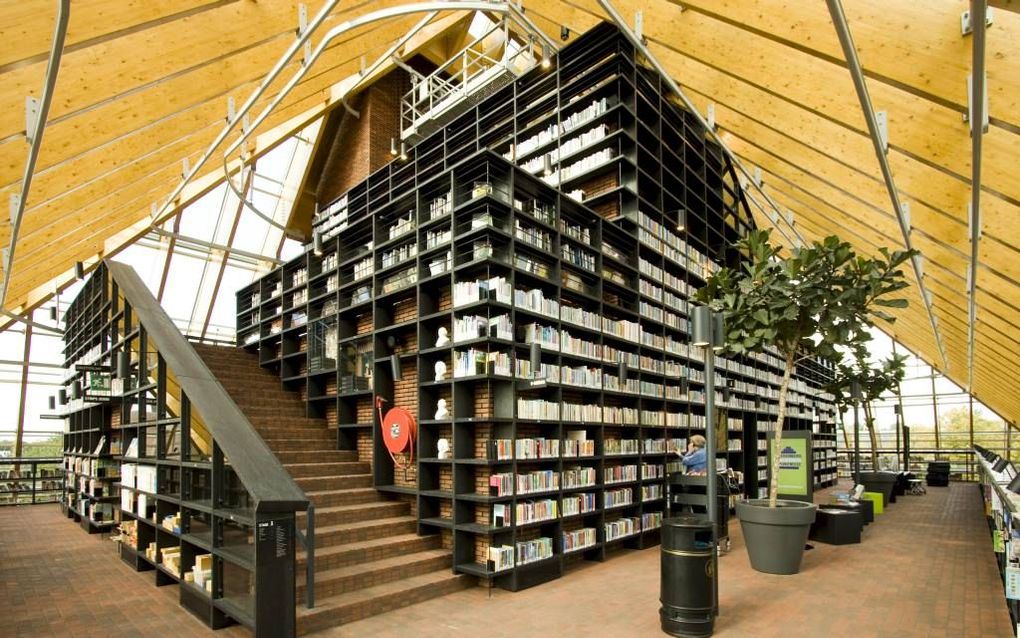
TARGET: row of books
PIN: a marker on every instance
(473, 362)
(619, 474)
(398, 255)
(507, 483)
(495, 288)
(579, 539)
(617, 498)
(578, 257)
(502, 557)
(536, 237)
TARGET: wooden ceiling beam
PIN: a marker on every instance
(139, 59)
(166, 109)
(911, 45)
(919, 181)
(919, 127)
(147, 181)
(26, 28)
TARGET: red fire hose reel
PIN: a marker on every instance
(398, 433)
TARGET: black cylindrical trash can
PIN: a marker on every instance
(687, 591)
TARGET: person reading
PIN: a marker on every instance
(695, 460)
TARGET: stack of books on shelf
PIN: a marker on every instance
(618, 498)
(534, 551)
(578, 539)
(577, 444)
(578, 477)
(536, 511)
(578, 504)
(622, 527)
(619, 474)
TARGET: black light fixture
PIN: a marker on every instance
(564, 33)
(123, 365)
(393, 146)
(681, 220)
(76, 390)
(62, 396)
(718, 331)
(701, 329)
(317, 244)
(623, 370)
(52, 400)
(79, 270)
(395, 367)
(403, 152)
(547, 165)
(535, 358)
(53, 313)
(685, 384)
(546, 57)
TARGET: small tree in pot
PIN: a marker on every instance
(818, 302)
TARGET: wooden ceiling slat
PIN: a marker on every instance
(920, 181)
(917, 126)
(27, 27)
(102, 162)
(901, 42)
(198, 94)
(157, 174)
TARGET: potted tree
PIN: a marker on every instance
(873, 382)
(817, 302)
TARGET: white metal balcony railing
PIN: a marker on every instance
(488, 62)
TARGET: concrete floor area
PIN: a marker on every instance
(925, 568)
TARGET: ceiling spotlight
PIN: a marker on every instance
(548, 165)
(79, 270)
(403, 151)
(546, 59)
(393, 146)
(681, 220)
(317, 244)
(564, 33)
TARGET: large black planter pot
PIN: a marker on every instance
(882, 482)
(775, 536)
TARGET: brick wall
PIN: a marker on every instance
(365, 412)
(364, 325)
(362, 144)
(483, 434)
(365, 445)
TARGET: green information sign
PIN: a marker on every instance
(795, 466)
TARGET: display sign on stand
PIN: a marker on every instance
(796, 479)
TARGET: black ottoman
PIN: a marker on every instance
(836, 527)
(865, 508)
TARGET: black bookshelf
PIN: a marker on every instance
(151, 446)
(31, 481)
(539, 230)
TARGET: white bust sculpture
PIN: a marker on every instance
(441, 411)
(443, 336)
(443, 447)
(440, 369)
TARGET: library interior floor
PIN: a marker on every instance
(924, 570)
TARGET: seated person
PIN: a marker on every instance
(695, 460)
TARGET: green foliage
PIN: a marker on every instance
(817, 302)
(874, 380)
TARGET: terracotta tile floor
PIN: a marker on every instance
(925, 568)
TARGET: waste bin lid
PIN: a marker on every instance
(690, 521)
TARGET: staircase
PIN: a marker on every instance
(368, 557)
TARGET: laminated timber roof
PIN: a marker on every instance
(144, 84)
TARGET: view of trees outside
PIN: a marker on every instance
(922, 397)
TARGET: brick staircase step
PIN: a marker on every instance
(326, 536)
(303, 470)
(337, 498)
(345, 608)
(296, 422)
(293, 444)
(354, 512)
(283, 432)
(365, 551)
(342, 580)
(336, 482)
(316, 456)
